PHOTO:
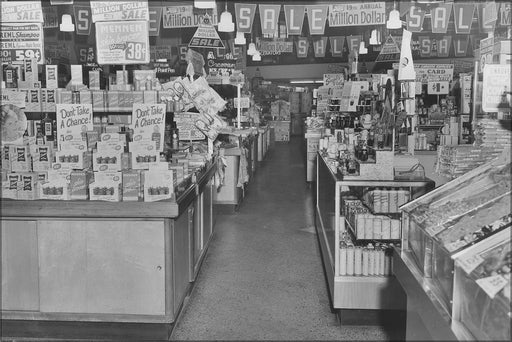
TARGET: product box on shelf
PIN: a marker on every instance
(54, 189)
(105, 191)
(158, 185)
(132, 185)
(27, 185)
(52, 77)
(144, 154)
(20, 158)
(107, 160)
(42, 157)
(73, 159)
(98, 100)
(79, 184)
(6, 158)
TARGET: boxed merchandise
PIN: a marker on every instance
(86, 97)
(126, 161)
(98, 100)
(92, 138)
(54, 189)
(180, 171)
(72, 160)
(106, 160)
(94, 79)
(27, 185)
(52, 77)
(106, 190)
(79, 184)
(6, 158)
(42, 157)
(132, 185)
(50, 98)
(20, 158)
(31, 73)
(158, 185)
(10, 186)
(144, 154)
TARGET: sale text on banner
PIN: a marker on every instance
(187, 130)
(433, 72)
(206, 37)
(119, 10)
(354, 14)
(274, 46)
(51, 17)
(148, 123)
(121, 42)
(21, 41)
(21, 12)
(73, 120)
(185, 16)
(496, 87)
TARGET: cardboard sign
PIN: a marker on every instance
(12, 96)
(50, 17)
(294, 15)
(337, 43)
(357, 14)
(390, 51)
(119, 10)
(244, 102)
(274, 46)
(73, 120)
(155, 19)
(148, 123)
(302, 47)
(121, 42)
(22, 41)
(317, 17)
(269, 15)
(334, 80)
(185, 122)
(21, 12)
(438, 88)
(244, 14)
(186, 16)
(433, 72)
(206, 37)
(496, 84)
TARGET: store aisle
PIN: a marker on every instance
(263, 278)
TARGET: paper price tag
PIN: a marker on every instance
(492, 285)
(470, 263)
(135, 51)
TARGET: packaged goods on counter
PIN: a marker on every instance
(365, 260)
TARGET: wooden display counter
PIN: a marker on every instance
(91, 261)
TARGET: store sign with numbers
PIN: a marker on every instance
(122, 42)
(21, 33)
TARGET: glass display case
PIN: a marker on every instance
(453, 217)
(481, 305)
(358, 223)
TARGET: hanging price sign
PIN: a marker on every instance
(122, 42)
(21, 41)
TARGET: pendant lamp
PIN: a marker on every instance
(240, 38)
(394, 21)
(375, 38)
(256, 57)
(204, 4)
(252, 49)
(67, 24)
(226, 21)
(362, 48)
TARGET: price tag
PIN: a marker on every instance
(492, 285)
(136, 51)
(468, 264)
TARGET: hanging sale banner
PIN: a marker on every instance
(83, 20)
(244, 14)
(269, 15)
(50, 17)
(505, 14)
(357, 14)
(119, 10)
(22, 41)
(294, 16)
(415, 19)
(485, 25)
(317, 17)
(463, 15)
(155, 19)
(319, 46)
(302, 47)
(444, 45)
(460, 45)
(440, 17)
(179, 16)
(425, 46)
(122, 42)
(353, 42)
(337, 43)
(21, 12)
(206, 37)
(274, 46)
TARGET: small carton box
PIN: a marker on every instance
(92, 138)
(31, 73)
(132, 186)
(52, 77)
(50, 100)
(144, 154)
(94, 79)
(107, 160)
(86, 97)
(113, 100)
(27, 186)
(105, 191)
(20, 158)
(70, 159)
(10, 187)
(98, 100)
(79, 184)
(158, 185)
(6, 158)
(126, 161)
(150, 96)
(42, 176)
(42, 157)
(54, 189)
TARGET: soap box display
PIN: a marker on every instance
(132, 185)
(158, 185)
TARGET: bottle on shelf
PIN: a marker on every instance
(47, 127)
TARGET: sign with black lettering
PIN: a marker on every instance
(122, 42)
(206, 37)
(119, 10)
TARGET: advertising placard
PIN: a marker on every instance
(244, 102)
(206, 37)
(496, 87)
(51, 17)
(148, 123)
(119, 10)
(21, 12)
(121, 42)
(22, 41)
(334, 80)
(73, 120)
(275, 46)
(185, 122)
(433, 72)
(185, 16)
(355, 14)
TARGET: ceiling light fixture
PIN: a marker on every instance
(226, 21)
(204, 4)
(394, 21)
(67, 23)
(362, 48)
(256, 57)
(240, 38)
(375, 38)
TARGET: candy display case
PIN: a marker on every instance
(481, 303)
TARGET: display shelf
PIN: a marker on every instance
(354, 235)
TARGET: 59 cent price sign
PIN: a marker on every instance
(122, 42)
(21, 41)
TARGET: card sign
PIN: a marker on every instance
(433, 72)
(148, 123)
(206, 37)
(492, 285)
(357, 14)
(334, 80)
(119, 10)
(185, 16)
(244, 102)
(121, 42)
(438, 88)
(496, 84)
(21, 12)
(73, 120)
(185, 122)
(468, 264)
(22, 41)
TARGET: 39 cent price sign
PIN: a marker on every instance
(122, 42)
(21, 41)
